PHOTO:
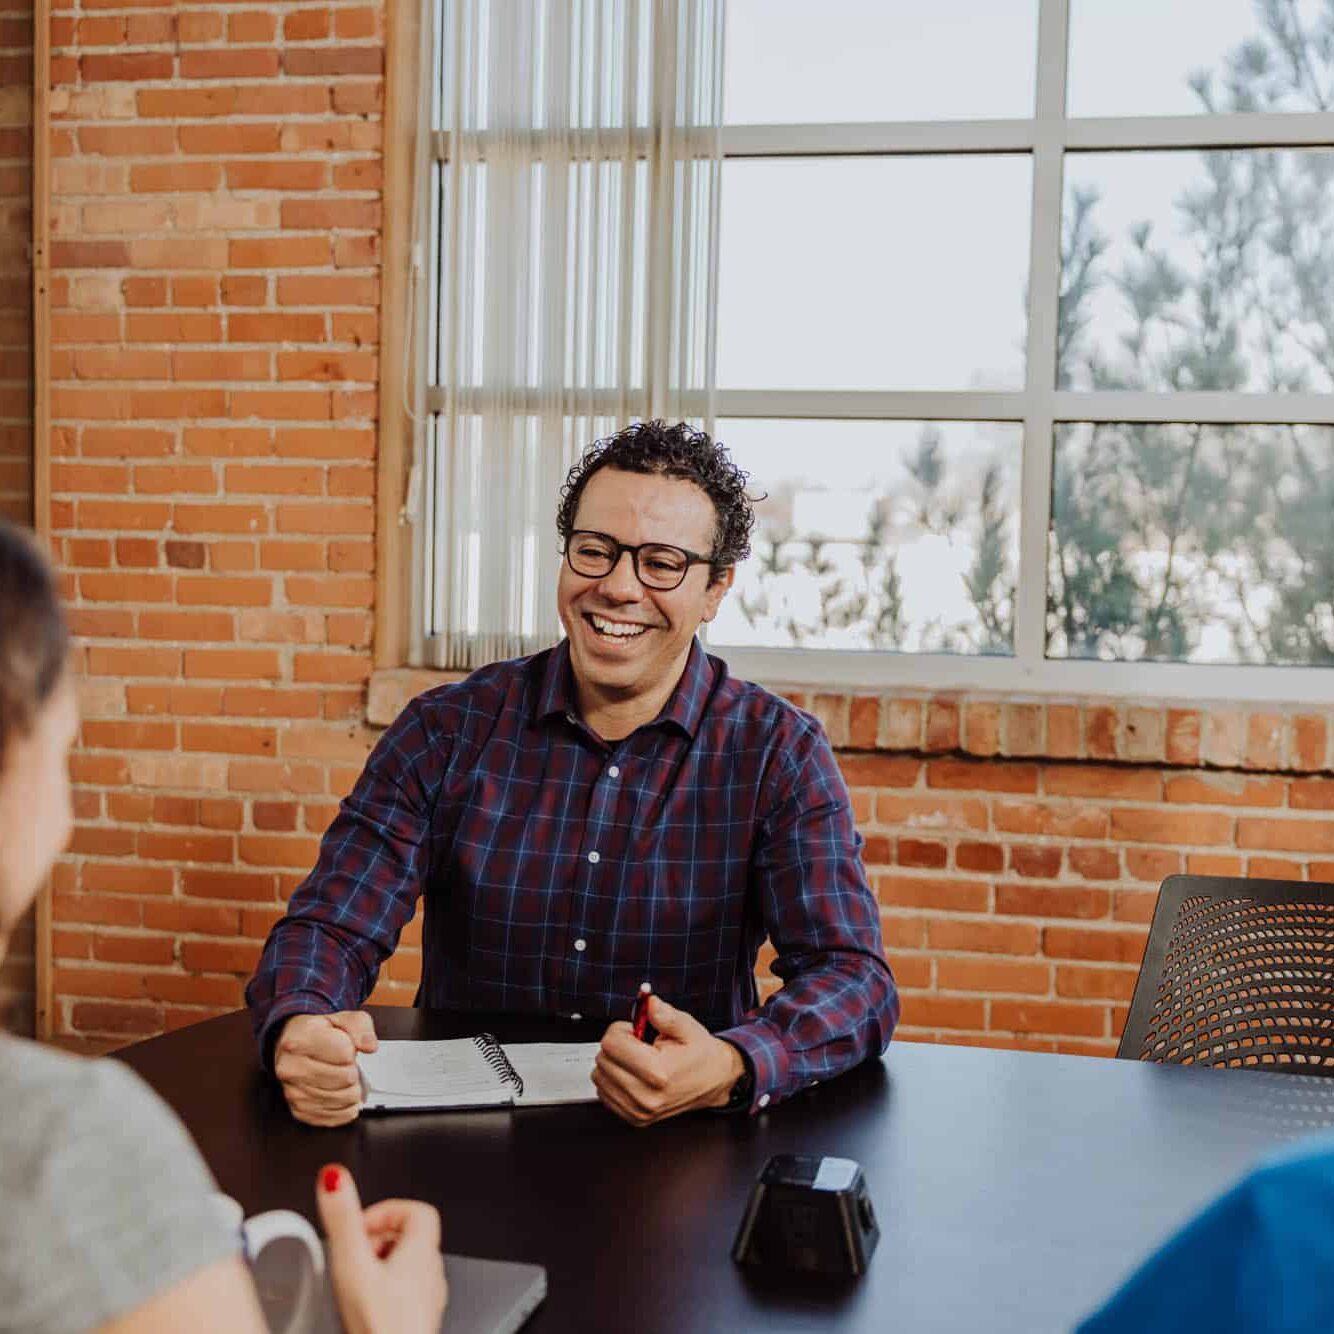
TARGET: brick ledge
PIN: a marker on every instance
(392, 688)
(1254, 738)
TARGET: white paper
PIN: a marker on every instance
(401, 1076)
(452, 1073)
(554, 1071)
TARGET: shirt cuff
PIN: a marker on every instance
(761, 1045)
(742, 1086)
(282, 1011)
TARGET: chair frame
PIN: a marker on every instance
(1175, 890)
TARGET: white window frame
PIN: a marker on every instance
(1045, 138)
(1039, 405)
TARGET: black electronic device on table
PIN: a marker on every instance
(810, 1215)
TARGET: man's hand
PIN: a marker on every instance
(686, 1067)
(388, 1273)
(315, 1060)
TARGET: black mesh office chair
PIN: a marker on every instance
(1237, 973)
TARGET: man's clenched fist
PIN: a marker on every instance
(315, 1060)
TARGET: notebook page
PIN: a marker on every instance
(453, 1073)
(554, 1071)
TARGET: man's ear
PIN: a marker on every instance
(716, 591)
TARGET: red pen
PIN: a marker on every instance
(639, 1011)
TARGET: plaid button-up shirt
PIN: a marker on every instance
(560, 870)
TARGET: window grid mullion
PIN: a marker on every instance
(1044, 282)
(1084, 134)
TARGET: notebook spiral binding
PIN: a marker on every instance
(498, 1061)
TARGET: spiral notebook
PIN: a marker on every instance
(475, 1072)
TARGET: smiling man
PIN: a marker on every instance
(614, 809)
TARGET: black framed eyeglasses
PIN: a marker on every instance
(657, 564)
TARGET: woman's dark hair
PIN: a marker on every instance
(34, 640)
(671, 451)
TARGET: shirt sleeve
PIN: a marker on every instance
(114, 1206)
(345, 918)
(838, 1004)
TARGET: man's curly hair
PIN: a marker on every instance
(34, 642)
(671, 451)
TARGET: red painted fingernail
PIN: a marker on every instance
(330, 1178)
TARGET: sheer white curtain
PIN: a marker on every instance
(573, 283)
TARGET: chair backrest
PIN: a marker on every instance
(1237, 973)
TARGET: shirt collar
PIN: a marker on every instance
(684, 707)
(555, 687)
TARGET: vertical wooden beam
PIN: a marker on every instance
(41, 400)
(405, 65)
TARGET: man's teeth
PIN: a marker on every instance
(618, 629)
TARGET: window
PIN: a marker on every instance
(1034, 360)
(573, 260)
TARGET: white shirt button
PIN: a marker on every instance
(764, 1100)
(581, 945)
(614, 771)
(595, 857)
(576, 1016)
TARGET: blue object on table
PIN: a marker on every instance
(1259, 1259)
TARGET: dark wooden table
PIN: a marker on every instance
(1014, 1190)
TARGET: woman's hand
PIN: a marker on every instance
(388, 1273)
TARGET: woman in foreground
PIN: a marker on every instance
(106, 1216)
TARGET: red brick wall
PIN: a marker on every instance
(16, 971)
(216, 219)
(1017, 847)
(15, 265)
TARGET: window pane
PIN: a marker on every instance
(873, 273)
(585, 323)
(1198, 56)
(789, 61)
(542, 65)
(897, 536)
(1190, 543)
(1198, 270)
